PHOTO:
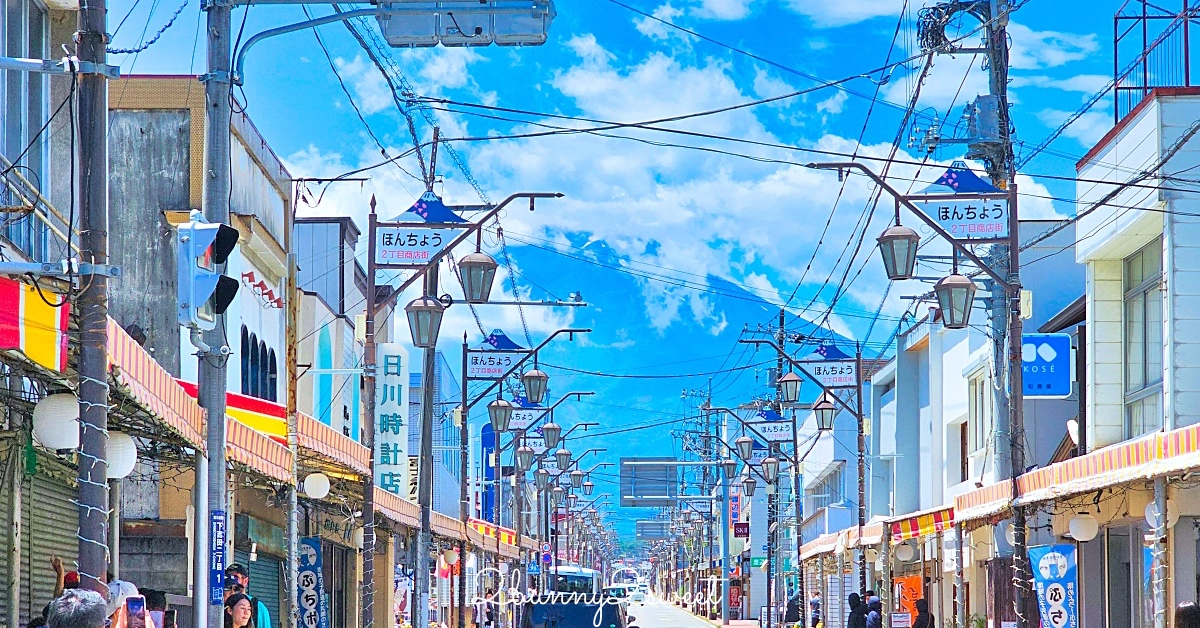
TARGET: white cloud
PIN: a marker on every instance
(442, 68)
(370, 89)
(1082, 83)
(1032, 50)
(834, 104)
(767, 86)
(723, 9)
(953, 80)
(655, 29)
(1087, 130)
(825, 13)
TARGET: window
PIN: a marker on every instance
(1143, 322)
(964, 453)
(979, 410)
(825, 492)
(23, 111)
(245, 359)
(255, 365)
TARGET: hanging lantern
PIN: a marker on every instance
(316, 485)
(789, 387)
(551, 433)
(563, 458)
(559, 495)
(898, 245)
(477, 272)
(770, 469)
(588, 487)
(1083, 527)
(955, 295)
(500, 411)
(122, 455)
(524, 458)
(572, 498)
(729, 466)
(745, 446)
(56, 421)
(542, 479)
(577, 478)
(748, 485)
(424, 321)
(826, 410)
(535, 385)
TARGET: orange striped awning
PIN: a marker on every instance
(397, 509)
(332, 444)
(489, 530)
(256, 451)
(33, 324)
(153, 387)
(267, 417)
(923, 524)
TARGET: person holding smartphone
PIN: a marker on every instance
(238, 610)
(135, 612)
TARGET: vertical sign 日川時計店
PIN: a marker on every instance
(404, 246)
(310, 585)
(391, 418)
(1056, 583)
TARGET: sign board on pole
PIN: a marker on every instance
(522, 418)
(391, 418)
(1056, 583)
(399, 245)
(774, 431)
(1046, 365)
(491, 365)
(741, 530)
(901, 620)
(834, 373)
(218, 535)
(310, 585)
(967, 218)
(534, 569)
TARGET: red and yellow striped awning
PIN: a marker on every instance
(266, 417)
(31, 323)
(255, 451)
(490, 531)
(153, 387)
(923, 524)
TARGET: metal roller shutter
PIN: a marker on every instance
(266, 581)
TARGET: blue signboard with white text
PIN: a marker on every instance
(310, 585)
(1046, 365)
(1057, 585)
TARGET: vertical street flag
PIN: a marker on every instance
(1057, 584)
(391, 418)
(310, 585)
(32, 326)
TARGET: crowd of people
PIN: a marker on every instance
(127, 606)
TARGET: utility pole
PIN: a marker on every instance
(862, 467)
(464, 505)
(93, 300)
(292, 324)
(425, 465)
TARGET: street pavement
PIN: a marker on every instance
(656, 613)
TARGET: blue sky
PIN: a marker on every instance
(677, 249)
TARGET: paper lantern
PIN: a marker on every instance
(316, 485)
(122, 455)
(1083, 527)
(56, 421)
(905, 553)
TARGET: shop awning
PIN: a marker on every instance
(983, 503)
(397, 509)
(823, 544)
(151, 386)
(872, 535)
(921, 524)
(266, 417)
(1140, 459)
(489, 530)
(319, 438)
(255, 451)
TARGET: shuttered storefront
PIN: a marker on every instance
(49, 521)
(266, 582)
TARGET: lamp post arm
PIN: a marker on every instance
(523, 360)
(790, 459)
(798, 365)
(903, 200)
(748, 465)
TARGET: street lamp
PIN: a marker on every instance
(424, 321)
(588, 487)
(477, 272)
(500, 411)
(542, 479)
(789, 387)
(551, 432)
(898, 245)
(770, 469)
(534, 382)
(826, 409)
(730, 468)
(563, 458)
(955, 295)
(559, 495)
(749, 484)
(577, 478)
(524, 458)
(745, 447)
(571, 499)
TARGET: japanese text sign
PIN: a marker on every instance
(774, 431)
(491, 365)
(1056, 583)
(219, 535)
(834, 373)
(1046, 365)
(391, 418)
(411, 246)
(969, 218)
(310, 585)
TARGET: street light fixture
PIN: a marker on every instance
(749, 484)
(424, 320)
(826, 410)
(745, 447)
(571, 499)
(542, 479)
(563, 458)
(955, 295)
(534, 382)
(577, 478)
(729, 466)
(477, 272)
(525, 458)
(789, 387)
(770, 469)
(500, 411)
(551, 432)
(559, 495)
(898, 245)
(588, 487)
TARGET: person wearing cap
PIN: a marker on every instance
(77, 608)
(63, 580)
(259, 615)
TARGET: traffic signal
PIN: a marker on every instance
(204, 291)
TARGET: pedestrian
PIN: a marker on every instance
(792, 614)
(489, 609)
(77, 608)
(233, 588)
(239, 611)
(874, 613)
(118, 592)
(1187, 615)
(858, 612)
(63, 580)
(260, 615)
(924, 619)
(156, 604)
